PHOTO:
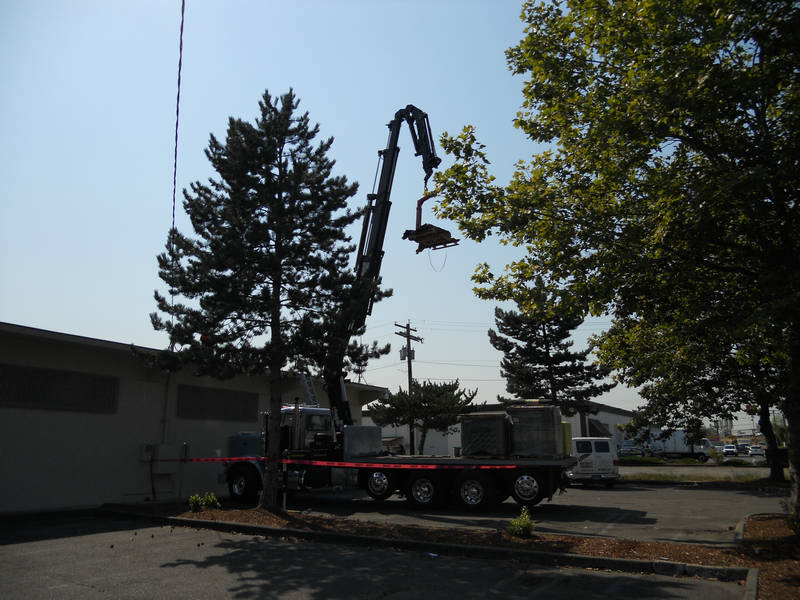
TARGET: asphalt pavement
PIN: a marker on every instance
(89, 555)
(82, 557)
(640, 511)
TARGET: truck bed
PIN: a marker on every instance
(463, 461)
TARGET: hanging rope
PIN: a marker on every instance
(430, 262)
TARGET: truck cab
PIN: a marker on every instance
(307, 435)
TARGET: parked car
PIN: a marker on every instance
(629, 448)
(756, 450)
(743, 448)
(730, 450)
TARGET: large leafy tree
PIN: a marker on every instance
(266, 257)
(429, 405)
(539, 361)
(684, 378)
(668, 197)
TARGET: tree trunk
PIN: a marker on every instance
(792, 412)
(422, 437)
(765, 425)
(272, 472)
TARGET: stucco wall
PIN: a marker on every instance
(53, 459)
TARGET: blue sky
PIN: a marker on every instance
(87, 114)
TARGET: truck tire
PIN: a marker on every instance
(526, 489)
(424, 490)
(379, 485)
(703, 457)
(243, 483)
(475, 491)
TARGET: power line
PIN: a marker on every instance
(458, 364)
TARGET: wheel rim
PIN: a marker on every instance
(378, 483)
(471, 492)
(422, 491)
(239, 485)
(526, 487)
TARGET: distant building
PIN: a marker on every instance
(84, 422)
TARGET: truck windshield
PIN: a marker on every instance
(318, 423)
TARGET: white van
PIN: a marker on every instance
(597, 461)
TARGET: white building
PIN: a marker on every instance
(81, 419)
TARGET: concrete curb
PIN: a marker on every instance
(654, 567)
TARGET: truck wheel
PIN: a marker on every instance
(703, 457)
(525, 489)
(424, 491)
(379, 485)
(243, 484)
(475, 492)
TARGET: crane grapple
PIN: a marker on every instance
(431, 237)
(428, 236)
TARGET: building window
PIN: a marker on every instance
(216, 404)
(52, 389)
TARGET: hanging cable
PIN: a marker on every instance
(430, 262)
(175, 169)
(177, 116)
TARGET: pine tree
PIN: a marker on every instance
(429, 405)
(539, 362)
(266, 258)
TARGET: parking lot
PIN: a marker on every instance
(80, 557)
(85, 556)
(669, 513)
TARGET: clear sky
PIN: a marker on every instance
(87, 115)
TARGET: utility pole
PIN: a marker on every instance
(408, 354)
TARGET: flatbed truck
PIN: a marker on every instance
(313, 459)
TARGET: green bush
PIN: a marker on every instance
(521, 526)
(210, 501)
(195, 503)
(735, 462)
(635, 461)
(207, 500)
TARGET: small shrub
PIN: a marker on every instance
(207, 500)
(195, 503)
(210, 501)
(521, 526)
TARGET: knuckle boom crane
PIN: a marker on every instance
(370, 248)
(373, 231)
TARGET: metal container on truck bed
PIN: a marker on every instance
(484, 434)
(536, 431)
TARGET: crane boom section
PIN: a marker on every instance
(376, 217)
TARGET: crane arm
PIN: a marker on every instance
(373, 231)
(376, 217)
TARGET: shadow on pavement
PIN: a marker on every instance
(262, 568)
(30, 528)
